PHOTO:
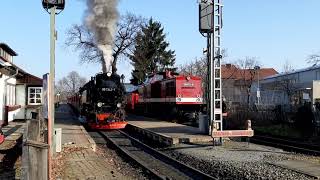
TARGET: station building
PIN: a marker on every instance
(290, 88)
(20, 92)
(237, 82)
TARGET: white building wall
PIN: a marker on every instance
(12, 115)
(21, 100)
(2, 96)
(3, 81)
(12, 81)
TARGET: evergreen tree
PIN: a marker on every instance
(151, 54)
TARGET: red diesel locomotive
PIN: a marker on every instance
(169, 94)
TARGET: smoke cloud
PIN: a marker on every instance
(101, 19)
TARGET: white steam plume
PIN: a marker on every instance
(102, 16)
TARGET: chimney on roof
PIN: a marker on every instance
(228, 65)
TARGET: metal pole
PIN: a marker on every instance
(258, 89)
(51, 80)
(212, 81)
(208, 81)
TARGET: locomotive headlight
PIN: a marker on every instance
(109, 74)
(99, 104)
(119, 105)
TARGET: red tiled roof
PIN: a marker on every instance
(230, 71)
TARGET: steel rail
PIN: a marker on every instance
(174, 164)
(123, 151)
(287, 144)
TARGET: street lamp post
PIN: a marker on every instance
(257, 68)
(53, 7)
(58, 99)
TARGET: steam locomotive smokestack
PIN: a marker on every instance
(101, 19)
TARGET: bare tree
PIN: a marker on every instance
(82, 39)
(198, 67)
(70, 84)
(287, 67)
(313, 59)
(246, 69)
(286, 82)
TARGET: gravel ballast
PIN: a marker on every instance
(237, 160)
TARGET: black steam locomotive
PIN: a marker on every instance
(101, 102)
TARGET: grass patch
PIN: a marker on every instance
(279, 130)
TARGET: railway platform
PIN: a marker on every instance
(166, 132)
(80, 158)
(73, 133)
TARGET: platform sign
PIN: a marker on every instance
(233, 133)
(45, 95)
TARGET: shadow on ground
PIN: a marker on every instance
(10, 165)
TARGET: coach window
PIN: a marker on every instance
(34, 95)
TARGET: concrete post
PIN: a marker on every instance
(51, 80)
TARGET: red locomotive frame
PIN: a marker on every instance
(75, 101)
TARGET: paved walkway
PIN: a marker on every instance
(73, 133)
(86, 164)
(80, 159)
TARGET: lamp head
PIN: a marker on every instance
(48, 4)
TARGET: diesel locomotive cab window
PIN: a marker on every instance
(34, 95)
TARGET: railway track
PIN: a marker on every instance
(159, 165)
(288, 145)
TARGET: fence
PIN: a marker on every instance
(268, 115)
(35, 150)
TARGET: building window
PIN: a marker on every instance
(34, 95)
(11, 95)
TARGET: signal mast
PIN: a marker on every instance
(210, 26)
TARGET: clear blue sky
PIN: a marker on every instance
(271, 30)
